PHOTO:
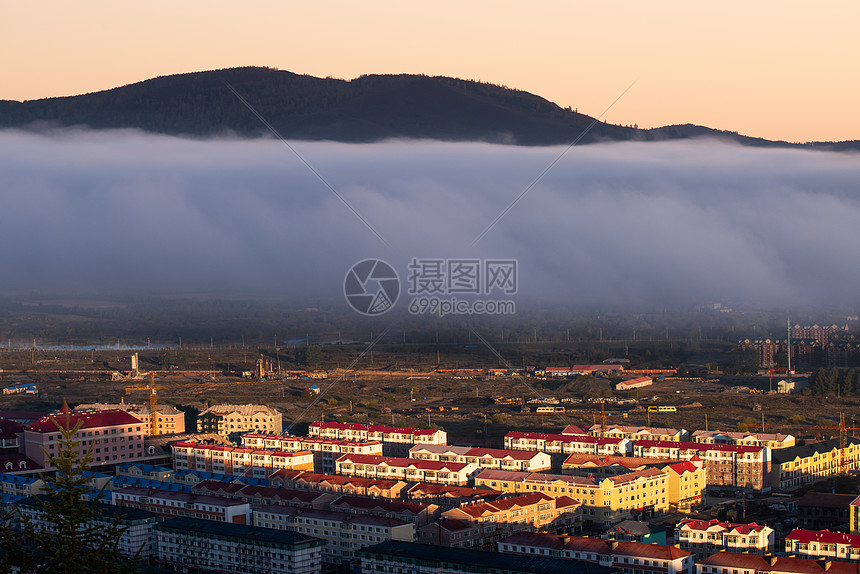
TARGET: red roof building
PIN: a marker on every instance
(705, 537)
(114, 435)
(823, 544)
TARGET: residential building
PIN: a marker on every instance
(392, 489)
(854, 516)
(733, 563)
(636, 531)
(371, 466)
(770, 440)
(343, 532)
(228, 419)
(621, 555)
(561, 444)
(490, 521)
(705, 537)
(238, 461)
(396, 441)
(823, 510)
(114, 436)
(402, 557)
(449, 496)
(686, 484)
(136, 524)
(170, 504)
(800, 465)
(605, 502)
(22, 389)
(417, 513)
(484, 457)
(732, 465)
(170, 419)
(20, 485)
(604, 466)
(325, 451)
(189, 544)
(257, 495)
(823, 544)
(635, 433)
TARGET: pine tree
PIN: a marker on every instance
(75, 540)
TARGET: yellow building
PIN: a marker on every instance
(799, 465)
(605, 501)
(686, 484)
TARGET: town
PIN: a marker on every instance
(576, 483)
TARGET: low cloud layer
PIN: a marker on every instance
(625, 223)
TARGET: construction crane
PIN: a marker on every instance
(843, 434)
(153, 403)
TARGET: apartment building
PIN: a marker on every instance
(484, 457)
(397, 556)
(485, 523)
(417, 513)
(635, 433)
(604, 466)
(114, 436)
(622, 556)
(353, 485)
(229, 419)
(823, 544)
(772, 441)
(20, 485)
(370, 466)
(343, 532)
(800, 465)
(823, 510)
(605, 502)
(257, 495)
(137, 524)
(567, 444)
(237, 461)
(734, 563)
(171, 504)
(739, 466)
(325, 451)
(687, 482)
(169, 419)
(448, 496)
(705, 537)
(188, 544)
(396, 441)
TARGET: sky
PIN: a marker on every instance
(641, 224)
(774, 69)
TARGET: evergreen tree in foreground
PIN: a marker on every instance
(75, 540)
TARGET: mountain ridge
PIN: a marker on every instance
(365, 109)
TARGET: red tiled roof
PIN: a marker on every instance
(380, 504)
(568, 438)
(597, 545)
(88, 420)
(703, 525)
(698, 446)
(502, 453)
(806, 536)
(609, 460)
(372, 459)
(10, 429)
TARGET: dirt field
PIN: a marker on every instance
(391, 390)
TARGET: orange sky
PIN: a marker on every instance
(780, 70)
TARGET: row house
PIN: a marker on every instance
(326, 451)
(238, 461)
(417, 513)
(353, 485)
(396, 441)
(635, 433)
(733, 563)
(413, 470)
(488, 522)
(484, 457)
(770, 440)
(114, 436)
(620, 555)
(800, 465)
(189, 545)
(257, 496)
(170, 504)
(344, 533)
(705, 537)
(823, 544)
(449, 496)
(731, 465)
(605, 502)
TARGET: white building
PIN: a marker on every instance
(390, 468)
(484, 457)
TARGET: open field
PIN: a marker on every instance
(400, 388)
